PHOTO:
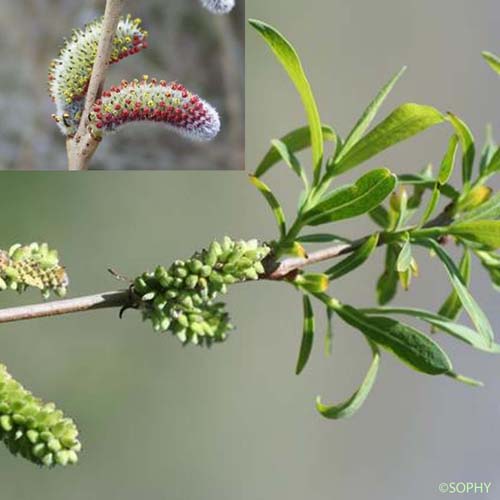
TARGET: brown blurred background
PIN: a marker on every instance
(187, 44)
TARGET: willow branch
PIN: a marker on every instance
(82, 146)
(105, 300)
(275, 271)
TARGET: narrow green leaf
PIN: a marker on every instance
(288, 57)
(355, 260)
(380, 216)
(453, 305)
(273, 203)
(433, 203)
(470, 305)
(353, 200)
(290, 160)
(491, 262)
(489, 149)
(424, 182)
(369, 114)
(349, 407)
(403, 123)
(312, 282)
(468, 147)
(448, 162)
(484, 232)
(296, 141)
(329, 332)
(492, 60)
(488, 210)
(408, 344)
(387, 284)
(322, 238)
(494, 164)
(461, 332)
(405, 257)
(307, 335)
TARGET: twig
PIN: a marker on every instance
(120, 298)
(123, 299)
(82, 146)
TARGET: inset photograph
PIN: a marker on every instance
(120, 85)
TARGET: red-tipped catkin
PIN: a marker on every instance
(69, 74)
(155, 101)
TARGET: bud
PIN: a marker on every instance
(69, 74)
(149, 100)
(35, 430)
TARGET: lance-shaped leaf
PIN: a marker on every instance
(290, 160)
(380, 216)
(288, 57)
(453, 305)
(387, 284)
(329, 332)
(296, 141)
(322, 238)
(489, 149)
(405, 122)
(484, 232)
(468, 147)
(491, 262)
(448, 162)
(476, 314)
(369, 114)
(353, 404)
(492, 60)
(493, 166)
(461, 332)
(307, 335)
(355, 260)
(353, 200)
(433, 203)
(408, 344)
(273, 203)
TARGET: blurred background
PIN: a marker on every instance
(160, 421)
(187, 44)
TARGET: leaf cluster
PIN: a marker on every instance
(405, 209)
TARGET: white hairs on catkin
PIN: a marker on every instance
(218, 6)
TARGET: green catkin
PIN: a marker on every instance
(34, 265)
(35, 430)
(181, 299)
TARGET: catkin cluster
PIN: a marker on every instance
(70, 72)
(180, 299)
(35, 430)
(32, 266)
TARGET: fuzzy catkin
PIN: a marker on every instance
(34, 265)
(35, 430)
(218, 6)
(180, 299)
(70, 72)
(170, 104)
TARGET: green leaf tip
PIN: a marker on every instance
(37, 431)
(290, 60)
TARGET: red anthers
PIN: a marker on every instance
(149, 100)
